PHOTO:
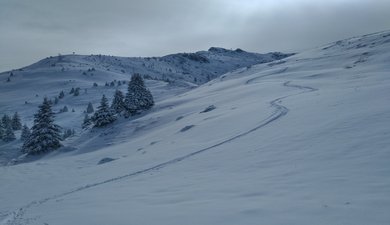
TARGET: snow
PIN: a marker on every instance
(301, 141)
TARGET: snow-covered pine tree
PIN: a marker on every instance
(76, 92)
(65, 109)
(8, 133)
(15, 123)
(67, 133)
(45, 135)
(25, 133)
(61, 95)
(6, 120)
(2, 130)
(118, 104)
(138, 97)
(86, 121)
(72, 91)
(104, 115)
(90, 108)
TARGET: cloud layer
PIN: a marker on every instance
(31, 30)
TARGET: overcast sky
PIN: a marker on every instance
(33, 29)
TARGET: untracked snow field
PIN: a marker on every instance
(304, 140)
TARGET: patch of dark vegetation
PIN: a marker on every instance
(179, 118)
(184, 129)
(209, 108)
(154, 142)
(105, 160)
(195, 57)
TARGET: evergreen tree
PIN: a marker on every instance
(16, 124)
(118, 104)
(86, 122)
(72, 91)
(25, 133)
(67, 133)
(45, 135)
(2, 130)
(6, 121)
(8, 134)
(61, 95)
(76, 92)
(104, 114)
(56, 100)
(65, 109)
(138, 97)
(90, 108)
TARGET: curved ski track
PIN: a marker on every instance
(16, 217)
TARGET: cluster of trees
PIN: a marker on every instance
(75, 91)
(114, 82)
(8, 125)
(137, 99)
(46, 136)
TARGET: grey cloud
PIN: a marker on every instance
(32, 30)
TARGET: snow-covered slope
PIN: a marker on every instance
(23, 90)
(304, 140)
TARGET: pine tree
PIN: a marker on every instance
(72, 91)
(61, 95)
(65, 109)
(67, 133)
(104, 114)
(6, 121)
(90, 108)
(86, 122)
(16, 124)
(25, 133)
(76, 92)
(118, 104)
(45, 134)
(2, 130)
(138, 97)
(56, 100)
(8, 134)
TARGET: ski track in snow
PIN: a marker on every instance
(16, 217)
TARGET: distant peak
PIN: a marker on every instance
(221, 50)
(217, 49)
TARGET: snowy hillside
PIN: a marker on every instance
(302, 140)
(22, 90)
